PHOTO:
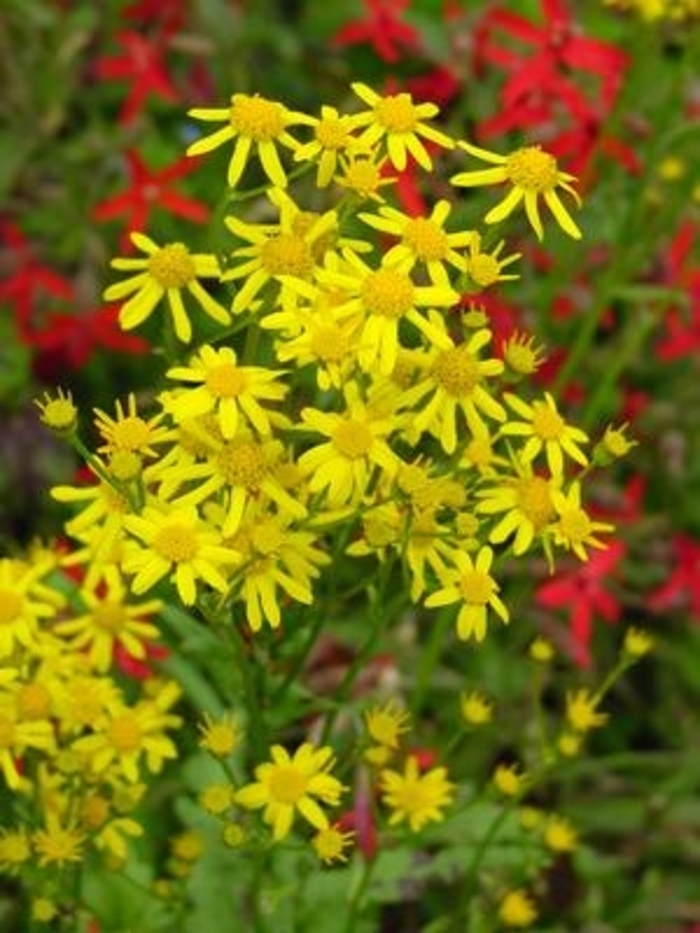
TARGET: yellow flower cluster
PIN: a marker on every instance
(346, 390)
(76, 742)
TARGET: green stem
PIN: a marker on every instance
(358, 894)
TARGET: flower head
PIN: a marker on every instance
(532, 174)
(254, 122)
(517, 910)
(291, 784)
(398, 122)
(415, 797)
(330, 843)
(167, 272)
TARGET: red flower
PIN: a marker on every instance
(682, 324)
(150, 189)
(541, 62)
(140, 64)
(360, 819)
(382, 28)
(583, 594)
(682, 588)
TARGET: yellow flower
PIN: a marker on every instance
(165, 272)
(541, 650)
(255, 123)
(178, 544)
(559, 835)
(386, 723)
(56, 844)
(470, 583)
(385, 299)
(527, 502)
(363, 175)
(44, 910)
(521, 354)
(569, 744)
(333, 135)
(476, 709)
(58, 412)
(129, 432)
(110, 621)
(398, 122)
(485, 269)
(545, 430)
(15, 849)
(23, 606)
(453, 384)
(291, 784)
(233, 392)
(422, 240)
(415, 797)
(637, 643)
(100, 524)
(274, 557)
(509, 780)
(219, 736)
(613, 445)
(517, 910)
(330, 843)
(357, 445)
(581, 711)
(293, 247)
(574, 529)
(127, 735)
(531, 173)
(216, 798)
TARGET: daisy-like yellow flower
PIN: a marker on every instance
(15, 849)
(531, 174)
(386, 723)
(383, 298)
(527, 502)
(414, 797)
(398, 123)
(559, 835)
(476, 708)
(574, 529)
(541, 650)
(16, 736)
(509, 779)
(58, 412)
(333, 135)
(470, 583)
(221, 735)
(127, 736)
(613, 445)
(452, 385)
(637, 643)
(234, 393)
(422, 240)
(291, 784)
(293, 247)
(129, 432)
(521, 354)
(165, 272)
(274, 557)
(111, 621)
(176, 543)
(108, 831)
(254, 122)
(58, 845)
(320, 337)
(330, 844)
(357, 444)
(23, 606)
(216, 798)
(362, 173)
(582, 711)
(545, 430)
(486, 268)
(517, 910)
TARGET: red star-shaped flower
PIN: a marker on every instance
(141, 64)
